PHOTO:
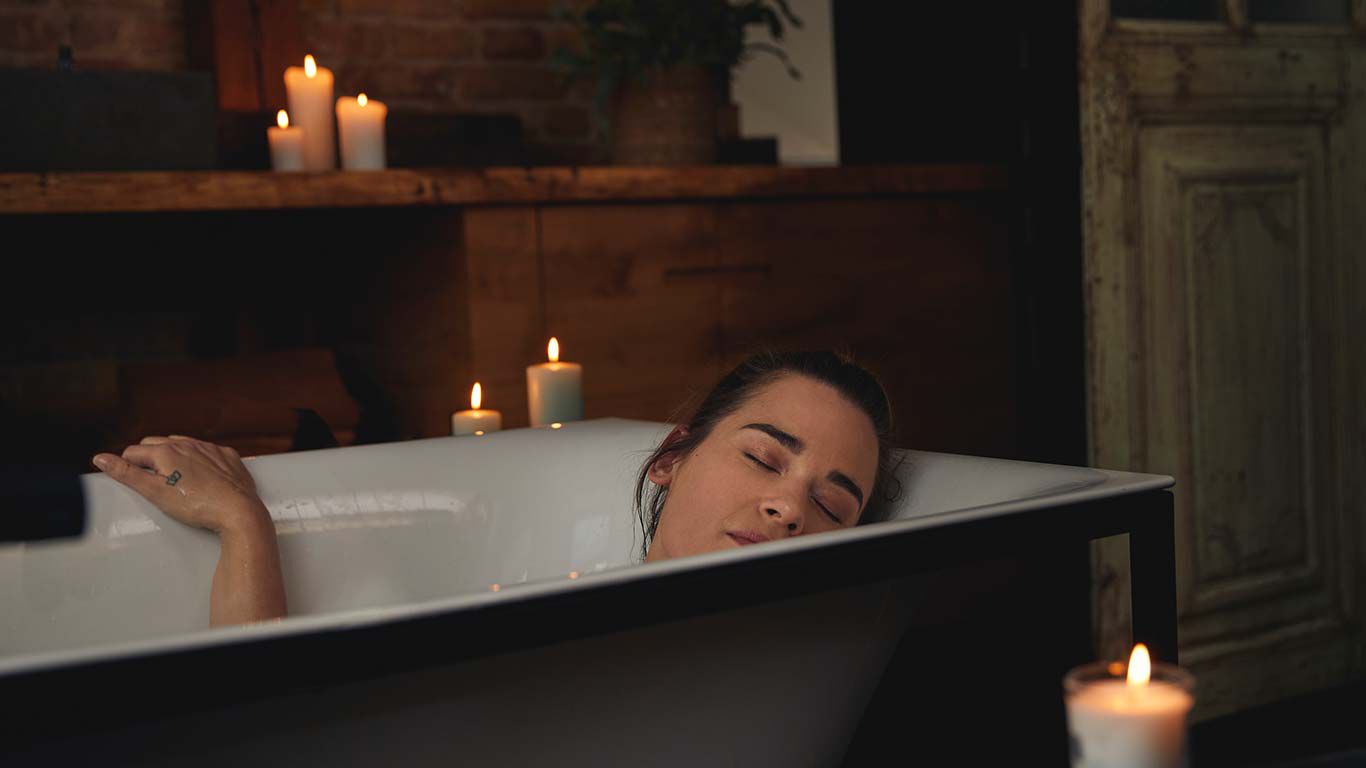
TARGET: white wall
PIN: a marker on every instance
(801, 113)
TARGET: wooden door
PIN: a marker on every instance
(1223, 192)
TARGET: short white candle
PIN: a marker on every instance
(309, 90)
(476, 421)
(1135, 721)
(360, 125)
(554, 390)
(286, 144)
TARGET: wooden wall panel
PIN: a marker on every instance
(918, 289)
(627, 295)
(404, 308)
(507, 324)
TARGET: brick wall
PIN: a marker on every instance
(438, 55)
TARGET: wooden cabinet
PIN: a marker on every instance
(656, 280)
(657, 301)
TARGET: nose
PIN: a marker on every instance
(784, 514)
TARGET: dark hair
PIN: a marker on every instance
(850, 379)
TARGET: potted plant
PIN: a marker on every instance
(660, 67)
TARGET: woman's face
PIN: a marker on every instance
(796, 458)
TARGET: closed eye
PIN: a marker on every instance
(756, 460)
(817, 502)
(828, 512)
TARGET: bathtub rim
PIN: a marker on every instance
(1114, 483)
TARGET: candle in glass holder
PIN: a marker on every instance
(554, 390)
(286, 144)
(309, 90)
(360, 127)
(1133, 717)
(476, 421)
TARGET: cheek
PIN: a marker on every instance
(702, 498)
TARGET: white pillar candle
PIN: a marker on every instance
(360, 126)
(1134, 718)
(554, 390)
(286, 144)
(309, 90)
(476, 421)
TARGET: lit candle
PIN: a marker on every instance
(309, 90)
(554, 390)
(1128, 717)
(286, 145)
(476, 421)
(360, 126)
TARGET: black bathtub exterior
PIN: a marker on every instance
(97, 711)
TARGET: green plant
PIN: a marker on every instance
(622, 39)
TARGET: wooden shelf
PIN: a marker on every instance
(23, 193)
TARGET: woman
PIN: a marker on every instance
(785, 444)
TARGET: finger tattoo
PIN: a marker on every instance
(173, 478)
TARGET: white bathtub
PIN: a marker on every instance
(400, 645)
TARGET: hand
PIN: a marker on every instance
(195, 482)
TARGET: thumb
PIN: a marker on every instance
(149, 485)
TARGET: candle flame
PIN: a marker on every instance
(361, 100)
(1140, 665)
(573, 574)
(476, 396)
(552, 350)
(282, 118)
(310, 66)
(556, 425)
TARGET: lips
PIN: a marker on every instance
(745, 538)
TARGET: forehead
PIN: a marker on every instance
(836, 431)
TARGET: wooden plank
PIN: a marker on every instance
(242, 190)
(507, 324)
(897, 283)
(249, 395)
(401, 311)
(619, 297)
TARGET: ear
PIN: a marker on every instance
(664, 469)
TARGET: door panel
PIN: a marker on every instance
(1222, 194)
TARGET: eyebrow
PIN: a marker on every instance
(795, 444)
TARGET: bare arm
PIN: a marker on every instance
(208, 486)
(247, 585)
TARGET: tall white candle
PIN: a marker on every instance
(476, 421)
(554, 390)
(286, 144)
(1137, 720)
(360, 126)
(309, 90)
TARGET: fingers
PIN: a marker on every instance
(151, 487)
(218, 454)
(214, 453)
(231, 455)
(239, 468)
(161, 458)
